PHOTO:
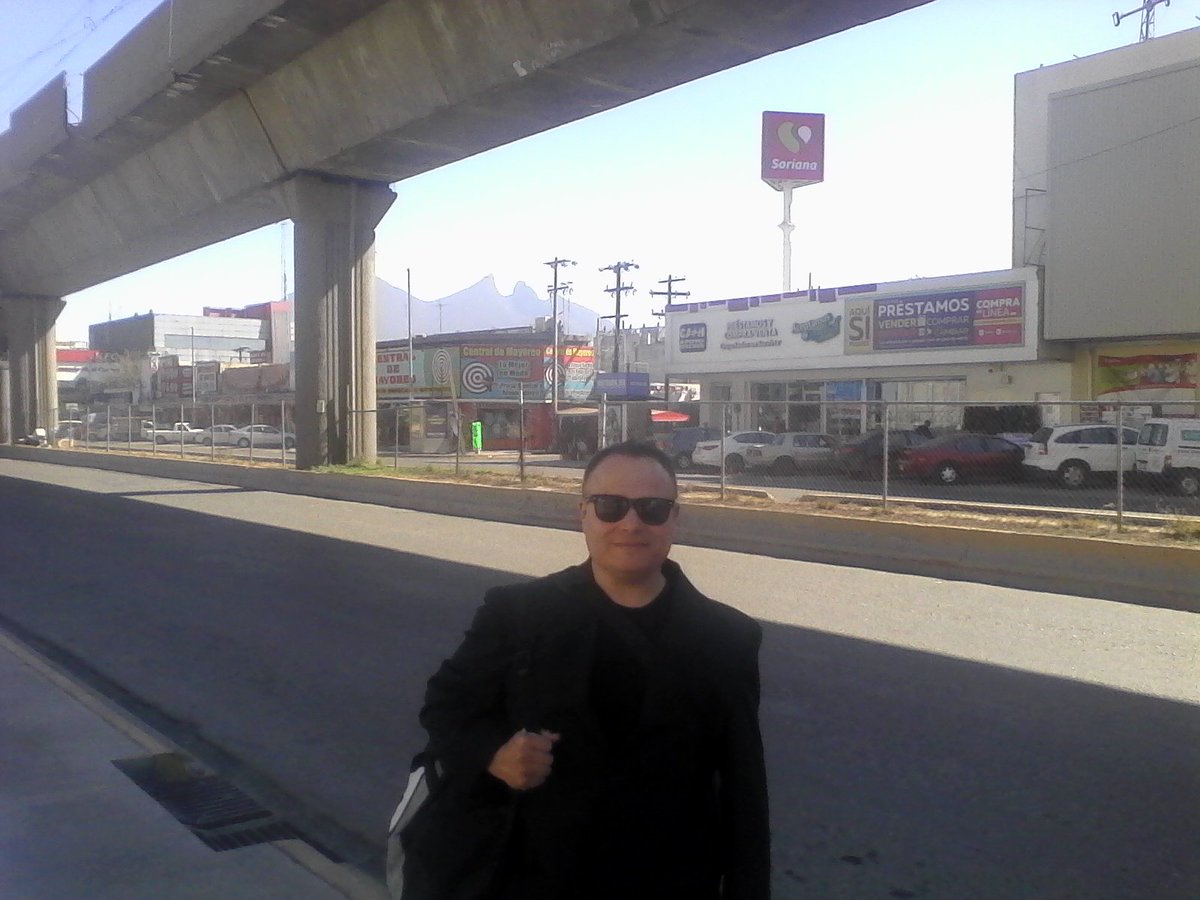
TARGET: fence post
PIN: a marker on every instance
(722, 495)
(395, 437)
(129, 430)
(458, 438)
(602, 432)
(521, 429)
(1120, 467)
(212, 432)
(253, 422)
(108, 429)
(153, 429)
(887, 424)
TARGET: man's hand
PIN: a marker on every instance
(524, 761)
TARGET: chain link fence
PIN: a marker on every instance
(254, 431)
(1106, 459)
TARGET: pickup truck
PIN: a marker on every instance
(179, 432)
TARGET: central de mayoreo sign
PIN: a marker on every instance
(793, 149)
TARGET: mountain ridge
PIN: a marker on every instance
(479, 307)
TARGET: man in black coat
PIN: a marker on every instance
(611, 712)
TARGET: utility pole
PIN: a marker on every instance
(670, 293)
(554, 289)
(617, 268)
(411, 371)
(1147, 10)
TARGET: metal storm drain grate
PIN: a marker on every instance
(209, 806)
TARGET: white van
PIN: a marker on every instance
(1171, 448)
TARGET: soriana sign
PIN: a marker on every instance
(793, 148)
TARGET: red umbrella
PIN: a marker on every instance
(668, 415)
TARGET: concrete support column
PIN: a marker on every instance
(335, 316)
(32, 363)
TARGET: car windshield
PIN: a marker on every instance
(1153, 434)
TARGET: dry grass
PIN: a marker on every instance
(1179, 530)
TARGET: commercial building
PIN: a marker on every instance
(1106, 197)
(1103, 302)
(231, 353)
(493, 377)
(957, 338)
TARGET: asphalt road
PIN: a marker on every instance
(924, 738)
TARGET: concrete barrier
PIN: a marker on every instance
(1149, 575)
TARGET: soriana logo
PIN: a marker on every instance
(793, 148)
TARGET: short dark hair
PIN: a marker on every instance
(633, 450)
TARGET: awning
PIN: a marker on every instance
(668, 415)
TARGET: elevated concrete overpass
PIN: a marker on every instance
(216, 117)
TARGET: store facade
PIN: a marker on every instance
(501, 379)
(811, 362)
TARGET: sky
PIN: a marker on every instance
(918, 168)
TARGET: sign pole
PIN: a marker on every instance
(787, 227)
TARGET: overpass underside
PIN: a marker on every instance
(216, 117)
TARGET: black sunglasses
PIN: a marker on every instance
(614, 507)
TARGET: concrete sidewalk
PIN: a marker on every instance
(73, 826)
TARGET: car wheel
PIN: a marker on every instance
(206, 441)
(1073, 473)
(1188, 482)
(785, 465)
(735, 464)
(947, 473)
(289, 444)
(243, 443)
(160, 439)
(683, 461)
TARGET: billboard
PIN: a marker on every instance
(968, 318)
(793, 149)
(206, 375)
(949, 319)
(434, 373)
(270, 379)
(1147, 377)
(576, 371)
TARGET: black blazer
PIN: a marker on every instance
(691, 821)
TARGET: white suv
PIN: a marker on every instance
(1170, 448)
(708, 453)
(1071, 453)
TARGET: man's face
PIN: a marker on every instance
(629, 549)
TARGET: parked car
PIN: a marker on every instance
(120, 428)
(708, 453)
(1170, 449)
(793, 451)
(219, 435)
(1072, 453)
(178, 433)
(262, 436)
(950, 458)
(680, 443)
(862, 457)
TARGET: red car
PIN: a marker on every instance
(953, 457)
